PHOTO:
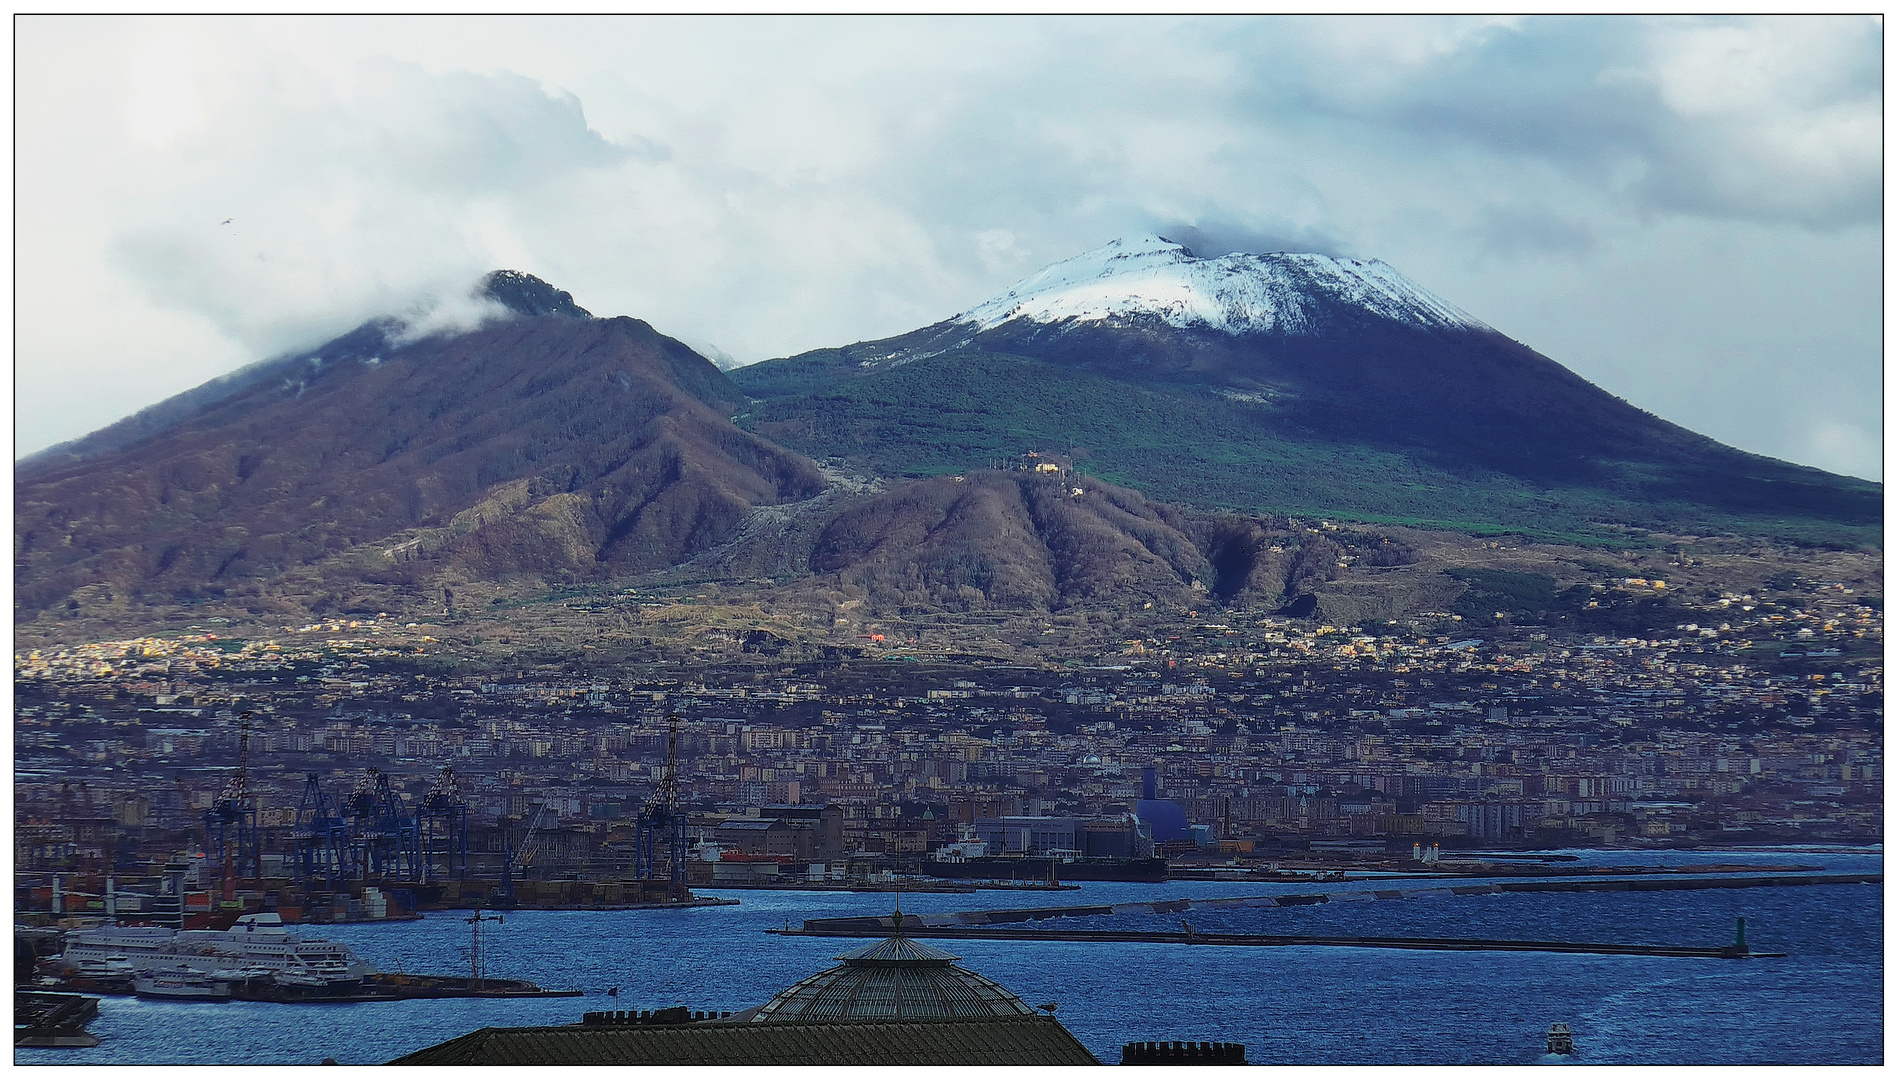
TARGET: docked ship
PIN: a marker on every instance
(1048, 850)
(181, 984)
(256, 948)
(961, 862)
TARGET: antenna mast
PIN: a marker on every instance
(475, 959)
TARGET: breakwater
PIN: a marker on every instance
(1190, 937)
(914, 922)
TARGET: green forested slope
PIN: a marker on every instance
(1184, 443)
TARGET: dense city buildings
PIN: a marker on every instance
(1278, 738)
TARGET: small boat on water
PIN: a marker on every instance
(181, 984)
(1561, 1040)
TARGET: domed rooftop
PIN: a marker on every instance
(892, 979)
(892, 1002)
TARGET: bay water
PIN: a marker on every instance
(1820, 1004)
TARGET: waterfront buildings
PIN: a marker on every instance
(1762, 726)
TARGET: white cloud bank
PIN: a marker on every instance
(1685, 211)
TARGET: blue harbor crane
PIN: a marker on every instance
(321, 839)
(382, 834)
(230, 824)
(442, 821)
(661, 825)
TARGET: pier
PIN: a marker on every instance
(43, 1018)
(924, 886)
(914, 924)
(377, 987)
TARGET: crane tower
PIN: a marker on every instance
(661, 825)
(442, 821)
(230, 825)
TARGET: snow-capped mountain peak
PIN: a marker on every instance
(1283, 293)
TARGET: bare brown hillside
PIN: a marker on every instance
(564, 447)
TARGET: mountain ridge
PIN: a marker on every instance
(542, 449)
(596, 444)
(1412, 381)
(511, 293)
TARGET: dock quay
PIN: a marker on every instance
(46, 1018)
(913, 923)
(410, 987)
(377, 987)
(1724, 952)
(799, 886)
(903, 887)
(479, 903)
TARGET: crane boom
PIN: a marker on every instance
(519, 856)
(528, 849)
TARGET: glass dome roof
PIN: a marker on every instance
(892, 979)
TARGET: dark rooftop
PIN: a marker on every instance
(1019, 1040)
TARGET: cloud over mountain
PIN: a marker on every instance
(196, 195)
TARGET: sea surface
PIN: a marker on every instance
(1821, 1004)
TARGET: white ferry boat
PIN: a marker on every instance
(257, 944)
(181, 984)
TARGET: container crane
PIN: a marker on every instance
(321, 839)
(661, 824)
(230, 824)
(382, 832)
(522, 856)
(443, 817)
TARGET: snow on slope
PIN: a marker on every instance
(1239, 294)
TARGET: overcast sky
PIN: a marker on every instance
(1686, 212)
